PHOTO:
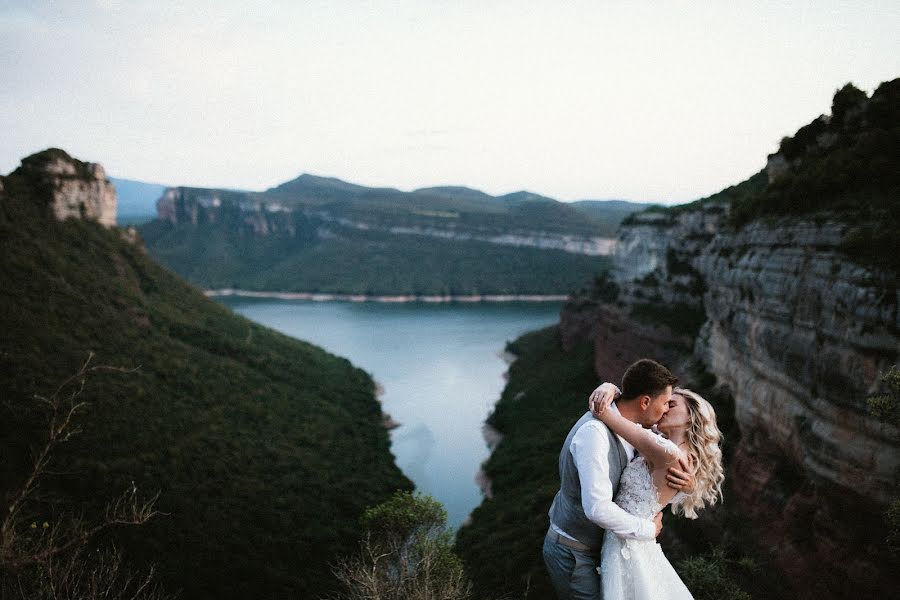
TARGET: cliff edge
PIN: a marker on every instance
(789, 305)
(71, 188)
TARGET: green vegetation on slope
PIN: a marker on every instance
(848, 165)
(846, 162)
(363, 262)
(844, 166)
(266, 449)
(734, 194)
(546, 393)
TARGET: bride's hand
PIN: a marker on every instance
(601, 398)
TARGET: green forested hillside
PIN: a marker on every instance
(265, 449)
(364, 262)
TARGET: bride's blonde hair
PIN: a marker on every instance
(703, 437)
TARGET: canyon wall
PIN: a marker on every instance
(799, 334)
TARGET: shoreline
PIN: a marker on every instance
(429, 299)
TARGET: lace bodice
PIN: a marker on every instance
(637, 492)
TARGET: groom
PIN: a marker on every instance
(590, 465)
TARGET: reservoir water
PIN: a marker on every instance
(440, 366)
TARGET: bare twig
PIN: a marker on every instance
(47, 558)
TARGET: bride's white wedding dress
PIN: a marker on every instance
(637, 569)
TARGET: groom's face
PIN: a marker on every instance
(657, 407)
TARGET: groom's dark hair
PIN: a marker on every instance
(646, 377)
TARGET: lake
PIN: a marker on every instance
(440, 366)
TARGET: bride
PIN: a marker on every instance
(638, 569)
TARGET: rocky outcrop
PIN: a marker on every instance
(799, 334)
(653, 258)
(72, 188)
(189, 206)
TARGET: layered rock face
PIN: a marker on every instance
(262, 217)
(73, 189)
(186, 206)
(619, 339)
(653, 258)
(799, 334)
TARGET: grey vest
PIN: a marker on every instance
(566, 511)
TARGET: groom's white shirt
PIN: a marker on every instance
(589, 448)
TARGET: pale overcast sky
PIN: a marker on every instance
(663, 101)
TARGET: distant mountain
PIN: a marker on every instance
(322, 234)
(266, 449)
(523, 196)
(455, 192)
(136, 200)
(600, 207)
(312, 189)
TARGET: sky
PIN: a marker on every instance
(647, 101)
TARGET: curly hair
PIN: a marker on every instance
(704, 439)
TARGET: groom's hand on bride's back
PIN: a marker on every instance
(681, 477)
(657, 520)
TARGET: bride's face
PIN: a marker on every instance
(678, 415)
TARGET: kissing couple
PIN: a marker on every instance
(617, 474)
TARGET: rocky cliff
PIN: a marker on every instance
(798, 333)
(71, 188)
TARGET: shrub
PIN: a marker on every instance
(406, 553)
(886, 404)
(708, 578)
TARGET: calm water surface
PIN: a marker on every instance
(440, 367)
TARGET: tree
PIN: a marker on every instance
(405, 553)
(846, 100)
(51, 557)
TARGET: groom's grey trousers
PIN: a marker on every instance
(572, 566)
(573, 572)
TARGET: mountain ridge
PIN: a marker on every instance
(318, 234)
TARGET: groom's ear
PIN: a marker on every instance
(645, 402)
